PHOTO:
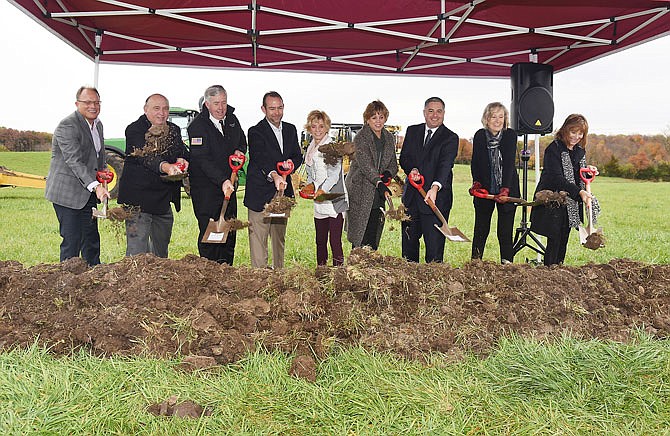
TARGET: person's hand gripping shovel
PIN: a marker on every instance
(483, 193)
(104, 177)
(451, 233)
(308, 192)
(217, 231)
(279, 207)
(589, 236)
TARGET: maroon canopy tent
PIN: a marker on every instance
(480, 38)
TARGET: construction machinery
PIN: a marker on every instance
(9, 178)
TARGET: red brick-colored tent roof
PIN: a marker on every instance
(481, 38)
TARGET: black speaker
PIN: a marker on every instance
(532, 98)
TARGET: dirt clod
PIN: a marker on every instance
(185, 409)
(303, 367)
(280, 204)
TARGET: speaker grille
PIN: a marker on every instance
(536, 110)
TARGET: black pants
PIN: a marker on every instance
(483, 214)
(221, 253)
(422, 225)
(79, 232)
(557, 245)
(373, 230)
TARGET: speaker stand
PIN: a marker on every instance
(523, 231)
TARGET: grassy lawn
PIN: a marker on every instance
(524, 387)
(634, 222)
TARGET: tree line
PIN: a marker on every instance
(24, 140)
(630, 156)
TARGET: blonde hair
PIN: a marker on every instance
(317, 115)
(495, 107)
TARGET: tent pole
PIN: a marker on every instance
(532, 57)
(98, 43)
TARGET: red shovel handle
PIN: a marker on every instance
(104, 176)
(418, 185)
(236, 161)
(285, 168)
(587, 175)
(481, 193)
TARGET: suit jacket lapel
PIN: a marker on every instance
(273, 138)
(439, 131)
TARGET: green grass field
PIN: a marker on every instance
(525, 386)
(633, 219)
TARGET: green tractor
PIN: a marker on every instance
(115, 148)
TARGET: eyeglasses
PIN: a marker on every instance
(90, 103)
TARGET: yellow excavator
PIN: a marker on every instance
(15, 178)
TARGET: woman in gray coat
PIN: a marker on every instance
(373, 163)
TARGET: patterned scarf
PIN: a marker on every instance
(495, 161)
(572, 205)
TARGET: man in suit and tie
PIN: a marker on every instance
(77, 153)
(429, 149)
(214, 135)
(270, 141)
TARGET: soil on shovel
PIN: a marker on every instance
(170, 308)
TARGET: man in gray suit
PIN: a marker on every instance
(77, 153)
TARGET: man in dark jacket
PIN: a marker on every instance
(429, 149)
(214, 135)
(154, 148)
(270, 141)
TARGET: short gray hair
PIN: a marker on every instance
(214, 90)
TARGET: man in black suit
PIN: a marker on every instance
(429, 149)
(270, 141)
(154, 148)
(77, 152)
(214, 135)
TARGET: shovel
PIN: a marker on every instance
(307, 192)
(388, 196)
(284, 169)
(483, 193)
(176, 177)
(217, 231)
(104, 177)
(451, 233)
(588, 175)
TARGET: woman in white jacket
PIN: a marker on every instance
(327, 178)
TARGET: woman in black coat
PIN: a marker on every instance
(493, 168)
(563, 159)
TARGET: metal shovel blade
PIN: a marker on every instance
(328, 196)
(217, 231)
(100, 214)
(452, 234)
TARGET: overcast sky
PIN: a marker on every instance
(627, 92)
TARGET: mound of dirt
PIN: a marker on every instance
(166, 308)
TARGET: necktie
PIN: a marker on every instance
(223, 129)
(430, 133)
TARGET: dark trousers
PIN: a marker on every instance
(79, 232)
(420, 225)
(221, 253)
(374, 228)
(329, 228)
(483, 214)
(557, 245)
